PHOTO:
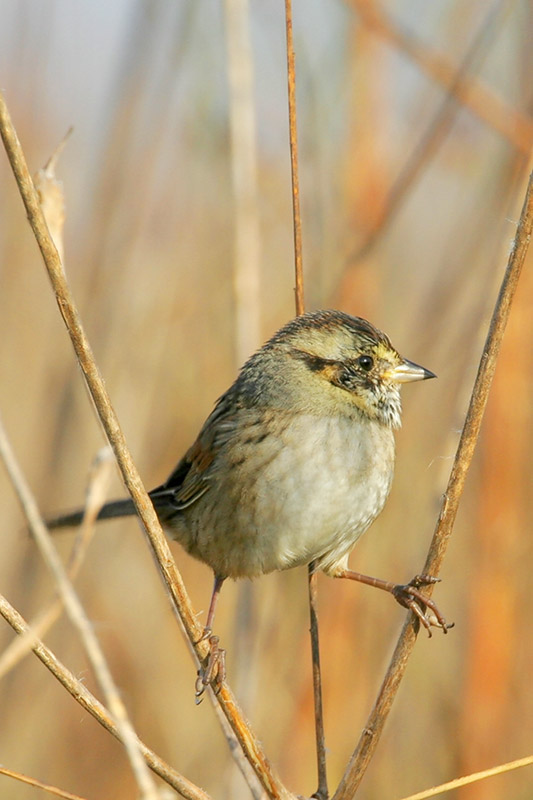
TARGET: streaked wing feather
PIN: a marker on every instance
(190, 480)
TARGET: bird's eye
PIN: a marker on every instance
(366, 362)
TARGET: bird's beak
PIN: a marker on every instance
(408, 371)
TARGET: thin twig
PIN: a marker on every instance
(46, 787)
(466, 780)
(293, 138)
(41, 624)
(91, 373)
(79, 619)
(88, 701)
(322, 791)
(157, 541)
(450, 503)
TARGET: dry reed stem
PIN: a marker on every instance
(293, 139)
(450, 503)
(90, 371)
(158, 543)
(510, 123)
(83, 696)
(322, 790)
(46, 787)
(501, 769)
(52, 202)
(79, 619)
(96, 494)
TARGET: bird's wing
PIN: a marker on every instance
(191, 477)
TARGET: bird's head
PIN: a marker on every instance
(331, 362)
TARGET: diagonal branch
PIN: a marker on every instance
(450, 503)
(42, 623)
(157, 541)
(79, 619)
(83, 696)
(46, 787)
(475, 777)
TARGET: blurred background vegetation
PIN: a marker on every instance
(415, 141)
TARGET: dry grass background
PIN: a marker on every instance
(149, 253)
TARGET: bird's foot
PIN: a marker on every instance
(427, 611)
(214, 670)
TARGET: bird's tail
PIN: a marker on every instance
(116, 508)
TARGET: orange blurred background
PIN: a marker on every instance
(410, 197)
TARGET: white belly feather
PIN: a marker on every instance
(334, 484)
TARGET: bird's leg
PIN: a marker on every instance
(216, 660)
(407, 595)
(217, 586)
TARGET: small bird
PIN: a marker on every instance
(295, 462)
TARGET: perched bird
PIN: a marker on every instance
(296, 460)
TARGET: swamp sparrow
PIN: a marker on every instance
(295, 461)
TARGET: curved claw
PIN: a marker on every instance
(424, 608)
(215, 669)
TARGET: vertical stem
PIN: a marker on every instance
(322, 791)
(293, 138)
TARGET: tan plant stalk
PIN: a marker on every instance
(83, 696)
(158, 543)
(466, 780)
(450, 502)
(322, 790)
(46, 787)
(79, 619)
(96, 495)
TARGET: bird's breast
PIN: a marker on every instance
(304, 491)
